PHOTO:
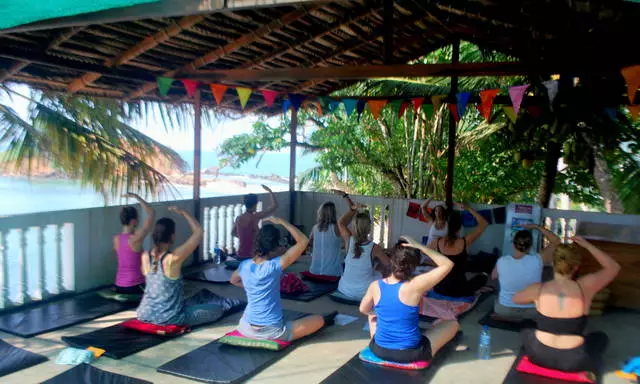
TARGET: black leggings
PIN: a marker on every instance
(421, 353)
(134, 290)
(583, 358)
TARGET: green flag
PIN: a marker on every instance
(164, 84)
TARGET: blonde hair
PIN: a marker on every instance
(361, 230)
(566, 258)
(326, 216)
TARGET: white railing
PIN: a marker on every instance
(49, 253)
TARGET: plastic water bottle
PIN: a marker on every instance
(484, 347)
(218, 255)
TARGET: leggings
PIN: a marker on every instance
(583, 358)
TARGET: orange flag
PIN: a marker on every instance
(218, 91)
(375, 107)
(486, 102)
(437, 102)
(634, 110)
(632, 76)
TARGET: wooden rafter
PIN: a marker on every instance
(145, 45)
(15, 68)
(225, 50)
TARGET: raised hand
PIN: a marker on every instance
(357, 206)
(338, 192)
(529, 226)
(266, 188)
(274, 220)
(131, 195)
(410, 242)
(581, 241)
(460, 205)
(176, 210)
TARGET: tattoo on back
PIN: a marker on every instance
(561, 297)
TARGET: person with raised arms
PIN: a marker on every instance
(245, 226)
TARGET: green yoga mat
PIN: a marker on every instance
(19, 12)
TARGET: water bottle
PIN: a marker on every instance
(484, 347)
(218, 255)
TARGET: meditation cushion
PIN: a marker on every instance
(368, 356)
(321, 278)
(291, 284)
(526, 366)
(163, 330)
(238, 339)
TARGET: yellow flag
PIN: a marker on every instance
(511, 113)
(243, 94)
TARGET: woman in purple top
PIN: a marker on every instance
(128, 247)
(246, 226)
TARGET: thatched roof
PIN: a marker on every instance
(122, 59)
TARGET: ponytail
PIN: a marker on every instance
(453, 227)
(361, 230)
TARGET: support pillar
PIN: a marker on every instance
(451, 154)
(293, 131)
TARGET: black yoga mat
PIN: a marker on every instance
(220, 363)
(87, 374)
(119, 341)
(342, 299)
(218, 274)
(505, 325)
(315, 290)
(36, 319)
(358, 371)
(14, 359)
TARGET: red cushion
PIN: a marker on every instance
(526, 366)
(154, 329)
(313, 276)
(290, 283)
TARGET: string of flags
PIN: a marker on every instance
(400, 104)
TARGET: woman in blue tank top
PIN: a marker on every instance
(392, 305)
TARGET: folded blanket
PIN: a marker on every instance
(443, 309)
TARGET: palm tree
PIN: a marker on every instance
(88, 139)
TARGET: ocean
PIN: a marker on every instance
(19, 195)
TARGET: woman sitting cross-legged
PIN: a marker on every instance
(558, 342)
(260, 277)
(393, 304)
(163, 302)
(325, 243)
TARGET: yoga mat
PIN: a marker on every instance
(342, 299)
(220, 363)
(505, 325)
(218, 274)
(87, 374)
(14, 359)
(315, 290)
(358, 371)
(45, 317)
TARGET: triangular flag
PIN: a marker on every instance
(360, 107)
(428, 110)
(269, 97)
(437, 101)
(218, 91)
(243, 95)
(632, 76)
(324, 103)
(190, 86)
(286, 104)
(453, 108)
(634, 110)
(164, 84)
(517, 94)
(486, 102)
(611, 112)
(396, 105)
(403, 108)
(375, 107)
(463, 100)
(552, 91)
(333, 105)
(349, 105)
(319, 107)
(417, 103)
(511, 114)
(296, 100)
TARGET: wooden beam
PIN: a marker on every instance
(451, 147)
(220, 52)
(15, 68)
(388, 31)
(145, 45)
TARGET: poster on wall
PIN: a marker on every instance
(517, 216)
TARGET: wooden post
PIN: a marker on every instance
(388, 31)
(197, 148)
(451, 155)
(293, 131)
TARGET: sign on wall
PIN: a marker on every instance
(517, 216)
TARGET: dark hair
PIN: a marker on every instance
(435, 209)
(250, 200)
(326, 216)
(454, 223)
(127, 214)
(523, 240)
(361, 230)
(163, 231)
(267, 240)
(404, 261)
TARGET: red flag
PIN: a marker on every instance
(417, 103)
(269, 97)
(632, 77)
(190, 86)
(486, 102)
(403, 108)
(218, 91)
(453, 108)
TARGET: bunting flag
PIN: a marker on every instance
(428, 110)
(437, 102)
(517, 94)
(296, 100)
(191, 86)
(375, 107)
(286, 104)
(164, 84)
(486, 102)
(552, 91)
(218, 91)
(333, 105)
(511, 113)
(634, 110)
(360, 108)
(463, 100)
(349, 105)
(611, 112)
(417, 103)
(403, 108)
(319, 107)
(269, 97)
(453, 108)
(395, 106)
(632, 77)
(243, 95)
